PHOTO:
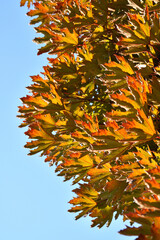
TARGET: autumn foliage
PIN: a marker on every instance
(95, 110)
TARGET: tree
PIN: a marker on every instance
(95, 110)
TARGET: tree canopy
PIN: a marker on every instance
(94, 112)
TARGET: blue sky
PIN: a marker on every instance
(33, 201)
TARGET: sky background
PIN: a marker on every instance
(33, 200)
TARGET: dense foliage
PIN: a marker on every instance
(95, 110)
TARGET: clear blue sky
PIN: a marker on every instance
(33, 201)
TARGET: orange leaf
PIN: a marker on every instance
(137, 172)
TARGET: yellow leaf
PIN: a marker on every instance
(148, 122)
(123, 65)
(57, 97)
(35, 100)
(47, 119)
(70, 38)
(86, 161)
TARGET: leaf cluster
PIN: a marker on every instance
(95, 110)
